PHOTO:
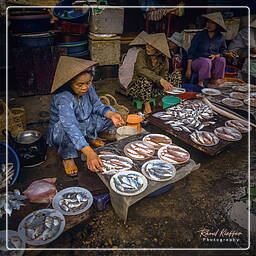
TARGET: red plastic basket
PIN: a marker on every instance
(232, 71)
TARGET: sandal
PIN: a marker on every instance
(97, 142)
(71, 171)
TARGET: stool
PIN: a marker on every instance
(138, 103)
(100, 201)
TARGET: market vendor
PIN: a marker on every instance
(150, 78)
(77, 114)
(207, 52)
(178, 60)
(240, 46)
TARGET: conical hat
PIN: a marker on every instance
(253, 24)
(138, 40)
(159, 42)
(217, 18)
(67, 68)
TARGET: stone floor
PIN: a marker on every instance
(171, 220)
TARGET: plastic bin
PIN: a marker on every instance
(170, 101)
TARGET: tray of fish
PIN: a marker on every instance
(204, 138)
(72, 200)
(238, 95)
(241, 88)
(13, 202)
(232, 102)
(173, 154)
(115, 163)
(156, 141)
(251, 101)
(6, 170)
(128, 183)
(158, 170)
(187, 116)
(211, 91)
(14, 242)
(138, 150)
(228, 133)
(241, 126)
(176, 91)
(41, 227)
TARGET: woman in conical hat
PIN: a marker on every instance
(151, 70)
(206, 55)
(77, 114)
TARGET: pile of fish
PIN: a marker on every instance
(228, 133)
(115, 162)
(157, 141)
(13, 242)
(138, 150)
(204, 138)
(173, 154)
(242, 127)
(128, 183)
(6, 170)
(42, 226)
(158, 170)
(187, 116)
(14, 202)
(73, 202)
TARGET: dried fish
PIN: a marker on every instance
(228, 133)
(6, 174)
(138, 150)
(241, 126)
(204, 138)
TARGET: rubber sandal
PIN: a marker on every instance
(97, 143)
(72, 169)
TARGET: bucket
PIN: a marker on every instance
(134, 120)
(125, 131)
(170, 101)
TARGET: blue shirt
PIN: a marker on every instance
(77, 119)
(204, 46)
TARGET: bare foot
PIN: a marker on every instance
(201, 83)
(70, 167)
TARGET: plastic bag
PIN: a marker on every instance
(41, 191)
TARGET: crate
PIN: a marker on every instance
(105, 50)
(107, 21)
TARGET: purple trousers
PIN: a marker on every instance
(207, 68)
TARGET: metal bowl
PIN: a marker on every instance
(28, 137)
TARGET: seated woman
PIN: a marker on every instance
(151, 71)
(207, 51)
(178, 61)
(77, 114)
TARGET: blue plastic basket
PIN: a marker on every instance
(12, 157)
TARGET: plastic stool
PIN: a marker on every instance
(100, 201)
(138, 103)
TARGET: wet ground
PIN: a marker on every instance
(172, 220)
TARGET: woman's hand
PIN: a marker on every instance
(116, 118)
(253, 50)
(213, 56)
(231, 54)
(94, 163)
(188, 73)
(166, 85)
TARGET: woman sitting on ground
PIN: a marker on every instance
(77, 114)
(207, 51)
(151, 71)
(178, 60)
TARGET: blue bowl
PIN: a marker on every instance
(68, 14)
(12, 157)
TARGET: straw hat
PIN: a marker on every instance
(67, 68)
(253, 24)
(217, 18)
(158, 41)
(176, 38)
(138, 39)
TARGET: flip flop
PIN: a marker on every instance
(97, 142)
(71, 171)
